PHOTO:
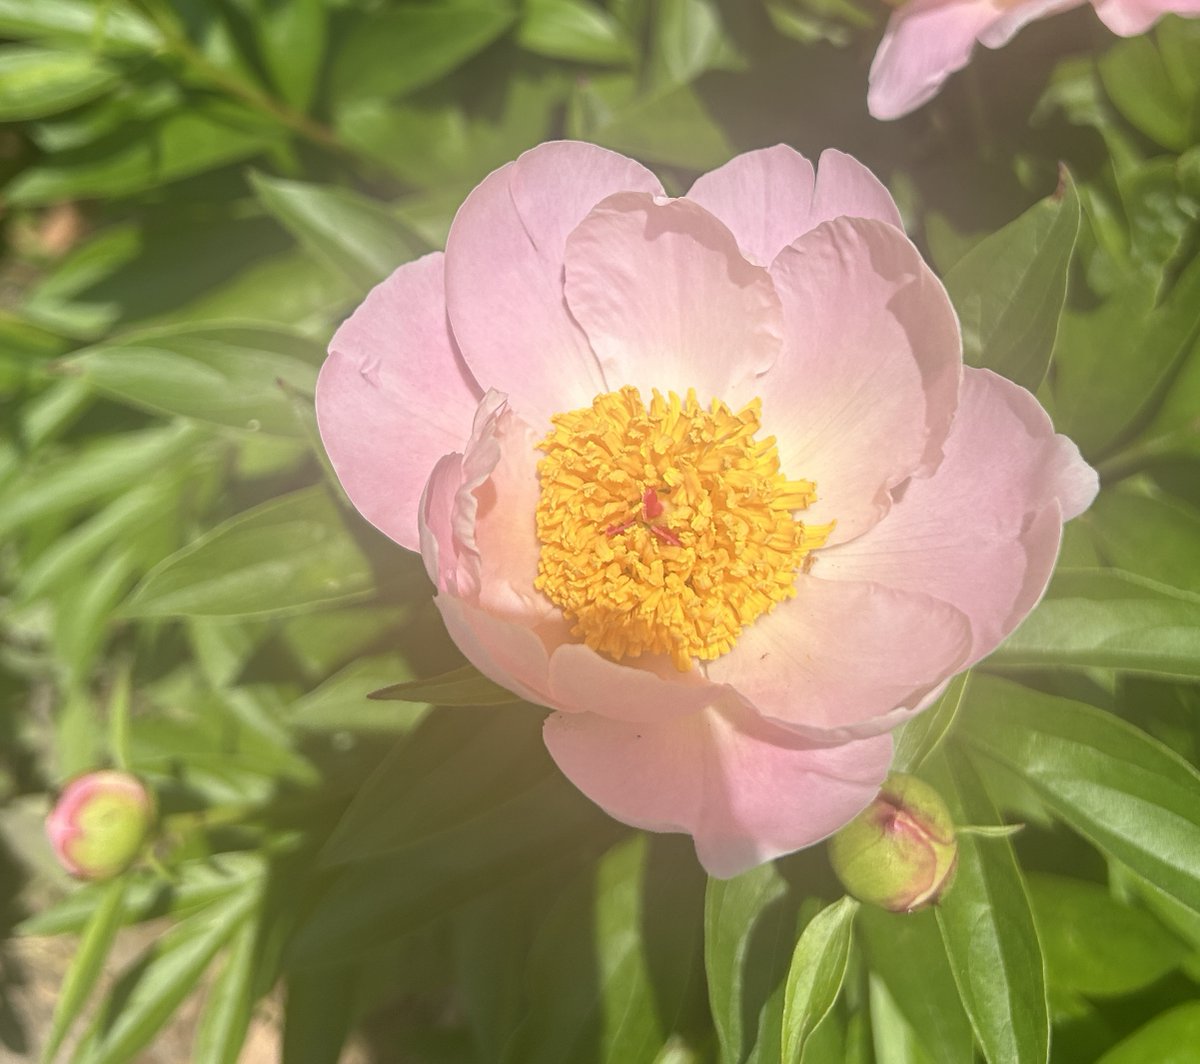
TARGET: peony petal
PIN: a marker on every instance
(982, 533)
(764, 197)
(925, 42)
(640, 690)
(864, 392)
(1016, 17)
(844, 660)
(439, 551)
(771, 197)
(1131, 17)
(846, 188)
(378, 423)
(746, 792)
(668, 301)
(504, 270)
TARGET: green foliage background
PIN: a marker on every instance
(195, 193)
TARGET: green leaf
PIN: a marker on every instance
(1123, 791)
(1170, 1038)
(320, 1014)
(1138, 82)
(1109, 619)
(92, 472)
(899, 944)
(1099, 397)
(391, 52)
(38, 81)
(357, 237)
(816, 974)
(672, 127)
(144, 156)
(291, 38)
(1095, 945)
(922, 735)
(200, 883)
(147, 995)
(222, 374)
(87, 964)
(894, 1039)
(452, 837)
(573, 29)
(1148, 534)
(221, 1029)
(688, 40)
(465, 686)
(342, 702)
(988, 927)
(105, 27)
(1009, 289)
(736, 914)
(590, 985)
(286, 555)
(452, 770)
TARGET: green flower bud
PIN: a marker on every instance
(99, 823)
(900, 852)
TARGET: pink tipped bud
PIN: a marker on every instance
(99, 823)
(900, 852)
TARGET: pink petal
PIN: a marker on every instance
(847, 188)
(480, 547)
(746, 792)
(771, 197)
(1131, 17)
(667, 299)
(925, 42)
(394, 396)
(864, 392)
(504, 270)
(842, 660)
(982, 533)
(764, 197)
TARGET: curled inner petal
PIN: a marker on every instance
(667, 528)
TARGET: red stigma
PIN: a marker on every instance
(651, 505)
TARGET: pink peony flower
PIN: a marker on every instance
(704, 475)
(99, 823)
(928, 40)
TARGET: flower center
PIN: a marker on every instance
(667, 529)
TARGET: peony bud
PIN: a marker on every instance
(99, 823)
(900, 852)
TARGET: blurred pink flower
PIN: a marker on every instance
(726, 649)
(99, 823)
(928, 40)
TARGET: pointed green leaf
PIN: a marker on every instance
(987, 924)
(1109, 619)
(87, 964)
(391, 52)
(465, 686)
(1170, 1038)
(221, 1029)
(1125, 792)
(898, 944)
(221, 374)
(357, 237)
(921, 736)
(37, 81)
(1151, 535)
(815, 976)
(147, 995)
(734, 909)
(105, 27)
(573, 29)
(286, 555)
(1009, 289)
(1094, 944)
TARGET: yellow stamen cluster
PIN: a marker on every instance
(667, 529)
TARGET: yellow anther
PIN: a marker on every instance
(667, 529)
